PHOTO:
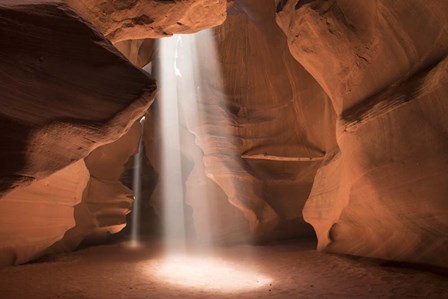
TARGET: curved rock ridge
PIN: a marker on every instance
(140, 51)
(106, 201)
(215, 220)
(382, 194)
(259, 106)
(84, 202)
(65, 90)
(356, 49)
(122, 20)
(34, 217)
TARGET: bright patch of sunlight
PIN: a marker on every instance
(208, 274)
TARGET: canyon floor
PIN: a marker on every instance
(289, 270)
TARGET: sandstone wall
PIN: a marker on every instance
(65, 91)
(122, 20)
(383, 64)
(34, 217)
(263, 125)
(67, 95)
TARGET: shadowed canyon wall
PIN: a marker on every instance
(254, 129)
(60, 109)
(383, 64)
(339, 121)
(121, 20)
(263, 108)
(66, 91)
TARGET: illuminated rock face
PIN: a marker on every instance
(140, 52)
(355, 50)
(106, 201)
(270, 107)
(122, 20)
(364, 101)
(84, 202)
(65, 91)
(34, 217)
(383, 193)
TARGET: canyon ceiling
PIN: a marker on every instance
(332, 120)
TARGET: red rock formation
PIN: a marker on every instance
(263, 128)
(140, 52)
(122, 20)
(106, 201)
(268, 106)
(34, 217)
(84, 202)
(65, 90)
(354, 50)
(383, 65)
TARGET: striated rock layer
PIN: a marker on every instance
(140, 52)
(106, 201)
(122, 20)
(263, 125)
(34, 217)
(65, 91)
(355, 50)
(383, 64)
(84, 202)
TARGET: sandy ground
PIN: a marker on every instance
(293, 270)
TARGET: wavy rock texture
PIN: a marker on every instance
(84, 202)
(65, 90)
(215, 220)
(122, 20)
(260, 106)
(34, 217)
(383, 194)
(106, 201)
(354, 50)
(140, 52)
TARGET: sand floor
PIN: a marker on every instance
(281, 270)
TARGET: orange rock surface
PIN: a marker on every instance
(65, 91)
(34, 217)
(383, 64)
(339, 121)
(122, 20)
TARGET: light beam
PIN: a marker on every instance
(137, 175)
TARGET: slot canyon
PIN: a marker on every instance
(223, 149)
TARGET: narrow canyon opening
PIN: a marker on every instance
(223, 149)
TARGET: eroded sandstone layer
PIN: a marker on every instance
(122, 20)
(106, 201)
(34, 217)
(139, 51)
(84, 202)
(65, 90)
(262, 123)
(383, 64)
(359, 115)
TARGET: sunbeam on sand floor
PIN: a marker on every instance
(283, 270)
(207, 273)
